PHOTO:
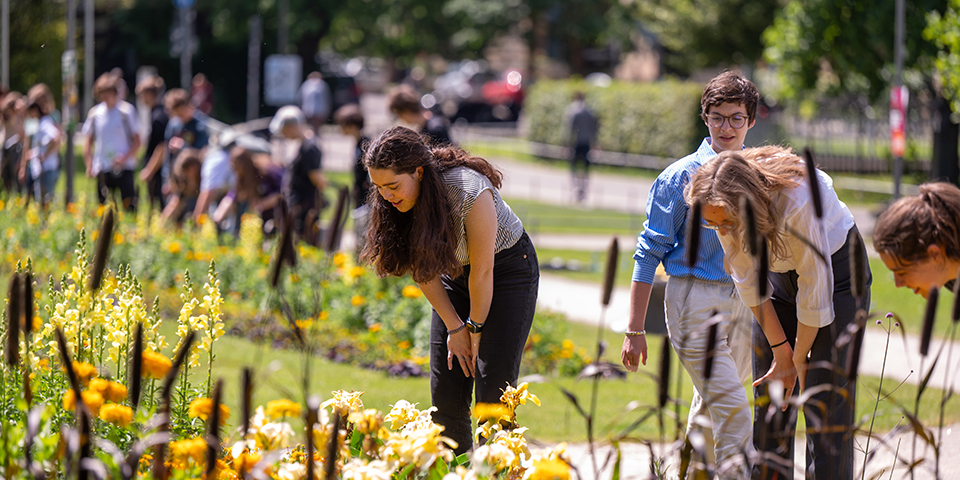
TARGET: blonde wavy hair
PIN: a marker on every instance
(753, 174)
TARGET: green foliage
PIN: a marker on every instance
(659, 118)
(702, 34)
(829, 47)
(944, 31)
(38, 30)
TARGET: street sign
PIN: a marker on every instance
(183, 3)
(281, 79)
(899, 98)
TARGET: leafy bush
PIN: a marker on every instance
(660, 118)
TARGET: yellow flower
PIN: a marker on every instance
(491, 411)
(92, 400)
(376, 327)
(339, 260)
(323, 315)
(117, 238)
(155, 365)
(549, 469)
(304, 324)
(514, 397)
(84, 371)
(202, 408)
(357, 271)
(282, 408)
(100, 211)
(379, 295)
(120, 415)
(411, 291)
(404, 345)
(344, 402)
(111, 391)
(191, 448)
(174, 247)
(245, 461)
(358, 300)
(367, 421)
(72, 208)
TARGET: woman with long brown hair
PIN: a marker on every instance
(437, 215)
(811, 304)
(918, 238)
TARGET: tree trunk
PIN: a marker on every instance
(946, 139)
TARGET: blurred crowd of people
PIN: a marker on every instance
(156, 148)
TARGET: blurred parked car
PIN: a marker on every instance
(458, 94)
(504, 95)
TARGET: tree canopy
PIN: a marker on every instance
(944, 31)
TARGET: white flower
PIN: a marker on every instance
(357, 469)
(275, 435)
(292, 471)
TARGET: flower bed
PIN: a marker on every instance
(140, 415)
(346, 312)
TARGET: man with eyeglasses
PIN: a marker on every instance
(697, 294)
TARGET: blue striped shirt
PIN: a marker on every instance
(664, 232)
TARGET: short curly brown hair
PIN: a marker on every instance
(730, 87)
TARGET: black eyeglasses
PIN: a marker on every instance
(715, 120)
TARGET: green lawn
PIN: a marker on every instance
(548, 218)
(591, 264)
(278, 376)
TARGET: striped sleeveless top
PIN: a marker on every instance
(463, 186)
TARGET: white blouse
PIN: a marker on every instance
(815, 282)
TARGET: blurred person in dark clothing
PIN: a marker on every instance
(405, 103)
(201, 94)
(350, 119)
(184, 186)
(257, 189)
(44, 155)
(583, 126)
(11, 110)
(148, 91)
(187, 128)
(303, 181)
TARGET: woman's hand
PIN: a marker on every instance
(800, 363)
(634, 351)
(781, 369)
(460, 345)
(474, 348)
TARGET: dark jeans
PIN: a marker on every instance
(108, 183)
(580, 157)
(516, 277)
(829, 414)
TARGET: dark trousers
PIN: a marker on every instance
(516, 277)
(829, 414)
(108, 183)
(580, 161)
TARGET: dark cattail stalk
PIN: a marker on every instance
(928, 319)
(711, 349)
(171, 377)
(86, 439)
(336, 223)
(136, 367)
(610, 273)
(858, 265)
(853, 360)
(313, 406)
(14, 312)
(68, 366)
(213, 431)
(330, 463)
(814, 183)
(284, 249)
(664, 372)
(764, 270)
(693, 233)
(102, 251)
(750, 224)
(28, 304)
(246, 400)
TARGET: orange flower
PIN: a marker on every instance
(92, 400)
(202, 408)
(116, 414)
(111, 391)
(411, 291)
(155, 365)
(84, 371)
(357, 300)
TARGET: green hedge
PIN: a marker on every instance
(660, 118)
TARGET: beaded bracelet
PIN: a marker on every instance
(455, 330)
(635, 334)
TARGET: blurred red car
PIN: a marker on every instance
(504, 95)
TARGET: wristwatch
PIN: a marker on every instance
(474, 327)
